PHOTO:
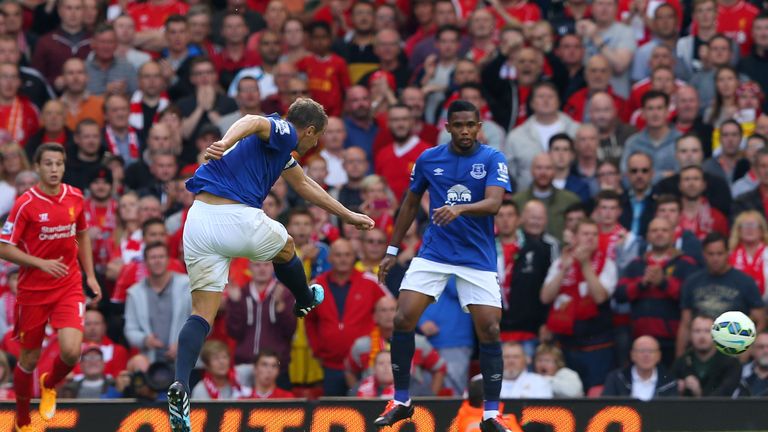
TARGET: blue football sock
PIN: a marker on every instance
(491, 367)
(291, 274)
(403, 347)
(191, 339)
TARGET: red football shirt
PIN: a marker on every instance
(45, 226)
(149, 17)
(736, 23)
(395, 164)
(328, 79)
(525, 12)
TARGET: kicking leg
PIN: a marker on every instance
(410, 306)
(289, 270)
(22, 386)
(205, 304)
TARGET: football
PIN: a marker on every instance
(733, 333)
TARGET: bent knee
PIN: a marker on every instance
(287, 252)
(404, 323)
(28, 359)
(489, 332)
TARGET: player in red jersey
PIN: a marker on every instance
(46, 234)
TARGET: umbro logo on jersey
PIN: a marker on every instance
(438, 171)
(43, 217)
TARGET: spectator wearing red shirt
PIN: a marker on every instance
(380, 383)
(482, 32)
(413, 98)
(386, 46)
(345, 315)
(598, 76)
(101, 214)
(234, 54)
(698, 216)
(70, 39)
(18, 115)
(396, 159)
(275, 17)
(662, 79)
(734, 20)
(327, 73)
(95, 332)
(150, 17)
(423, 12)
(514, 12)
(266, 368)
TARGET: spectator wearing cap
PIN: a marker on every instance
(386, 46)
(18, 115)
(149, 100)
(80, 105)
(69, 40)
(157, 306)
(357, 48)
(397, 158)
(84, 159)
(248, 101)
(94, 382)
(114, 355)
(101, 215)
(52, 128)
(206, 104)
(107, 73)
(119, 138)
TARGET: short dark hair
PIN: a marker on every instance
(562, 136)
(641, 153)
(693, 167)
(668, 199)
(544, 84)
(733, 122)
(654, 94)
(399, 105)
(462, 106)
(714, 237)
(297, 211)
(607, 195)
(723, 37)
(305, 112)
(688, 135)
(368, 3)
(154, 245)
(447, 28)
(510, 203)
(575, 207)
(758, 136)
(175, 18)
(200, 60)
(264, 353)
(85, 122)
(49, 146)
(322, 25)
(103, 28)
(149, 222)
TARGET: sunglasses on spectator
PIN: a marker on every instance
(639, 170)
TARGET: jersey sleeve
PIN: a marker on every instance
(418, 179)
(14, 226)
(279, 134)
(290, 164)
(499, 175)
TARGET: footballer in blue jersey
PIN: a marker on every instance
(466, 181)
(226, 221)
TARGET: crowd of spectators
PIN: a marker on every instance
(635, 134)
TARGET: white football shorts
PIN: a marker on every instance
(214, 234)
(475, 287)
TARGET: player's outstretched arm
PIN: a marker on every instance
(85, 256)
(55, 268)
(248, 125)
(312, 192)
(488, 206)
(405, 216)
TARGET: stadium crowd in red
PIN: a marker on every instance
(635, 132)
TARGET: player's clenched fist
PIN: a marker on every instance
(386, 264)
(445, 215)
(216, 150)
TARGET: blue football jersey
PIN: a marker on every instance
(460, 179)
(250, 168)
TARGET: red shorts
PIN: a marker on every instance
(66, 312)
